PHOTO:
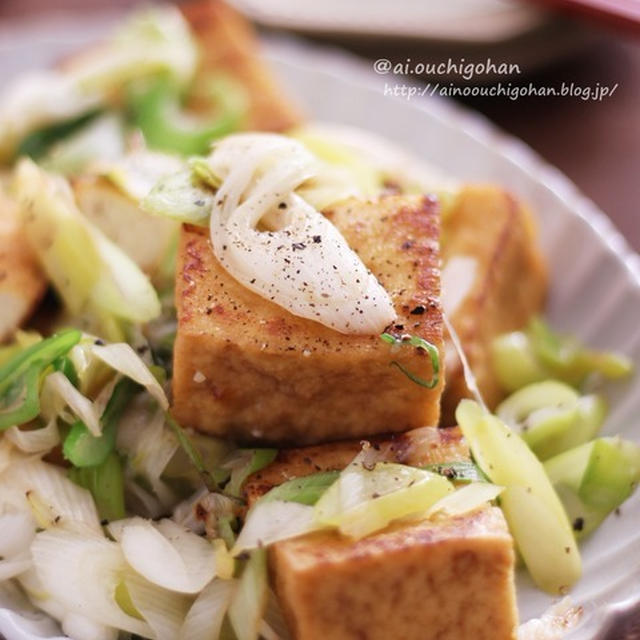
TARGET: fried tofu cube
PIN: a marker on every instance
(247, 369)
(22, 282)
(228, 44)
(418, 448)
(493, 280)
(145, 238)
(448, 579)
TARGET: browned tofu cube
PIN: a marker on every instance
(449, 579)
(434, 580)
(228, 44)
(489, 249)
(22, 282)
(248, 369)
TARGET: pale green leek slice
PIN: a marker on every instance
(533, 511)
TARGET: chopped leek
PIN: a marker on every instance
(305, 490)
(158, 113)
(594, 479)
(20, 377)
(418, 343)
(192, 452)
(106, 485)
(250, 598)
(169, 556)
(365, 500)
(99, 138)
(533, 511)
(244, 463)
(92, 275)
(81, 447)
(466, 499)
(459, 471)
(205, 617)
(37, 143)
(273, 521)
(536, 354)
(541, 413)
(180, 197)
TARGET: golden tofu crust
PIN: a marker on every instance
(228, 43)
(248, 369)
(489, 225)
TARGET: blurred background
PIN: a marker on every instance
(578, 44)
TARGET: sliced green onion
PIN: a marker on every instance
(65, 365)
(594, 479)
(466, 499)
(251, 461)
(106, 484)
(81, 447)
(180, 196)
(305, 490)
(514, 362)
(592, 411)
(541, 413)
(44, 352)
(20, 402)
(250, 599)
(461, 471)
(192, 452)
(20, 377)
(36, 144)
(535, 515)
(363, 500)
(157, 111)
(420, 343)
(538, 353)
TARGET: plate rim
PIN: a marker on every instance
(294, 51)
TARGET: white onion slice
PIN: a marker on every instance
(204, 620)
(270, 522)
(169, 556)
(301, 261)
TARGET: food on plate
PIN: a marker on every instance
(291, 382)
(22, 282)
(494, 279)
(394, 581)
(245, 368)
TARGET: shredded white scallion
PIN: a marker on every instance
(278, 245)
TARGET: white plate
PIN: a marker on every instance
(595, 276)
(478, 21)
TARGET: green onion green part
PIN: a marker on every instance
(419, 343)
(81, 447)
(106, 484)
